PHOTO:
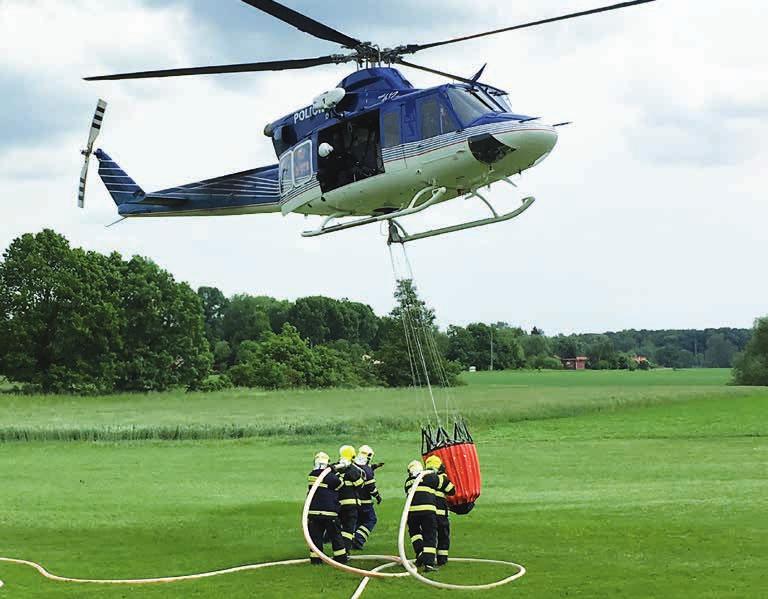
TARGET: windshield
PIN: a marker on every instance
(490, 99)
(469, 106)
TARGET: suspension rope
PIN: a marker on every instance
(412, 324)
(428, 355)
(450, 404)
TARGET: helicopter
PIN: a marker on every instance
(372, 149)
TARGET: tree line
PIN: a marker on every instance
(84, 322)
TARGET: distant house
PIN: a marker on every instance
(640, 360)
(577, 363)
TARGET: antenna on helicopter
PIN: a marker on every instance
(98, 118)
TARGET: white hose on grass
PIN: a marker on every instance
(367, 575)
(321, 554)
(411, 568)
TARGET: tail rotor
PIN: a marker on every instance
(98, 118)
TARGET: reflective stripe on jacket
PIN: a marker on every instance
(326, 499)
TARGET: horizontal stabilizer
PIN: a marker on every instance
(254, 186)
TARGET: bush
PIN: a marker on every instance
(751, 366)
(286, 360)
(214, 382)
(545, 363)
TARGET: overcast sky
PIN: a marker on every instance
(651, 211)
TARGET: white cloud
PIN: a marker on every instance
(620, 236)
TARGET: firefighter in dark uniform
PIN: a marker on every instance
(422, 516)
(444, 488)
(324, 511)
(352, 478)
(366, 513)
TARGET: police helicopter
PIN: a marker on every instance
(373, 149)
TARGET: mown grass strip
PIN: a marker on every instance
(351, 423)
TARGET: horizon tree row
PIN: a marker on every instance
(77, 321)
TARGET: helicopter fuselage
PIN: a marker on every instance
(386, 141)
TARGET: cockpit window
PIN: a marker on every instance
(489, 98)
(468, 105)
(436, 118)
(503, 99)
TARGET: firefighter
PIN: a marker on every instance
(352, 478)
(422, 516)
(324, 511)
(444, 488)
(366, 513)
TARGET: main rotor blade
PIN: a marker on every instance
(248, 67)
(405, 63)
(417, 47)
(303, 22)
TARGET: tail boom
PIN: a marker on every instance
(254, 191)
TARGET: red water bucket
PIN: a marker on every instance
(462, 465)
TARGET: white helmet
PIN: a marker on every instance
(415, 468)
(364, 455)
(321, 460)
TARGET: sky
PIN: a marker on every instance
(650, 213)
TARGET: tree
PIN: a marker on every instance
(323, 319)
(536, 347)
(310, 317)
(163, 336)
(214, 306)
(245, 318)
(277, 311)
(76, 321)
(462, 347)
(407, 343)
(222, 354)
(567, 347)
(720, 352)
(601, 353)
(60, 321)
(667, 356)
(751, 366)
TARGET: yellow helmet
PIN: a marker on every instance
(433, 462)
(321, 459)
(415, 467)
(347, 452)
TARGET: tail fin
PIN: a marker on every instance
(120, 186)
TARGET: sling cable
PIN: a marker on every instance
(444, 431)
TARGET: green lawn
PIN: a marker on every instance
(487, 399)
(663, 495)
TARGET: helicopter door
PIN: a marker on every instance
(393, 151)
(356, 153)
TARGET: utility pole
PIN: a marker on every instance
(491, 348)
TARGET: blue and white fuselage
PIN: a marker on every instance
(388, 142)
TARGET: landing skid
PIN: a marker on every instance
(398, 234)
(413, 208)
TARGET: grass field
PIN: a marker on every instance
(648, 486)
(487, 399)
